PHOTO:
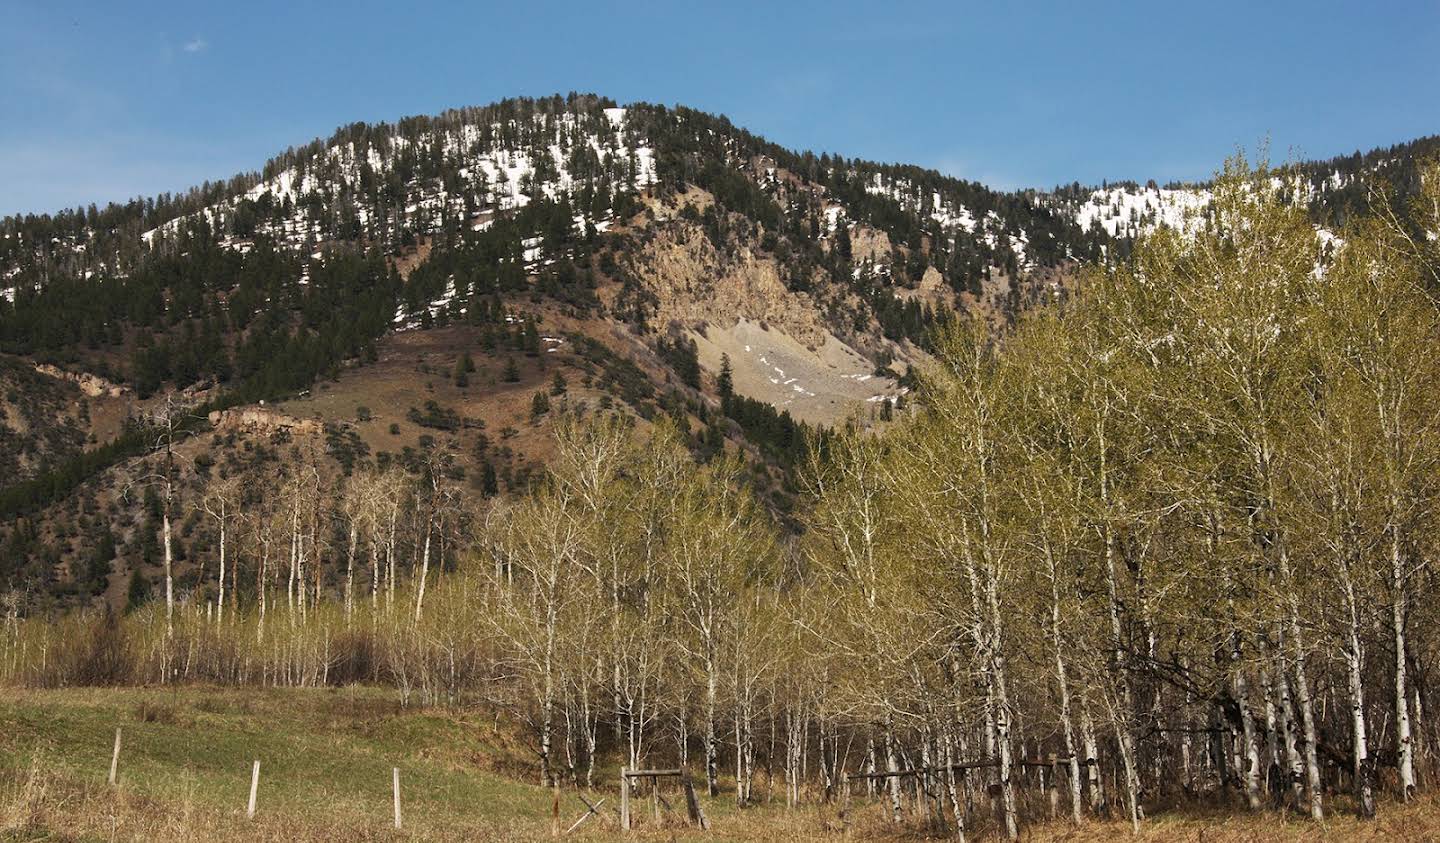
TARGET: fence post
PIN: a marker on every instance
(624, 799)
(395, 777)
(692, 802)
(115, 759)
(254, 785)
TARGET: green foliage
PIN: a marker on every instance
(137, 594)
(435, 416)
(682, 356)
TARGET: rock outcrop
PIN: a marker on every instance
(92, 385)
(696, 284)
(259, 418)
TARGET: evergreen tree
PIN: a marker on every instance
(137, 594)
(724, 384)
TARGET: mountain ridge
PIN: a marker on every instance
(430, 295)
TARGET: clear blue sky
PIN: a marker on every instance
(101, 101)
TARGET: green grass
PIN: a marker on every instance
(325, 771)
(325, 755)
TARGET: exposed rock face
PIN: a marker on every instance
(869, 244)
(255, 418)
(931, 290)
(695, 284)
(92, 385)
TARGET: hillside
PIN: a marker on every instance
(403, 294)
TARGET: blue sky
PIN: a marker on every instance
(103, 101)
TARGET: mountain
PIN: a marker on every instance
(428, 296)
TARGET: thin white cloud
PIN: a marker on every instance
(195, 45)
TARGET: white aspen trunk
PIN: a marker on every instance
(350, 574)
(1311, 753)
(169, 569)
(390, 557)
(1285, 729)
(792, 758)
(1417, 714)
(591, 724)
(682, 738)
(870, 765)
(294, 561)
(739, 762)
(547, 706)
(315, 549)
(300, 589)
(1122, 680)
(924, 781)
(1404, 738)
(1303, 702)
(424, 573)
(747, 752)
(1132, 777)
(1388, 410)
(1157, 715)
(1187, 740)
(1251, 749)
(374, 575)
(1002, 723)
(1273, 728)
(892, 765)
(220, 598)
(712, 748)
(957, 805)
(1094, 781)
(260, 574)
(827, 774)
(1067, 720)
(1360, 756)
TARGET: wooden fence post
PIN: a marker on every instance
(254, 785)
(395, 777)
(692, 803)
(655, 799)
(593, 810)
(624, 799)
(115, 760)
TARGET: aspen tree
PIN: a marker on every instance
(543, 542)
(220, 502)
(717, 543)
(1384, 327)
(964, 420)
(1239, 296)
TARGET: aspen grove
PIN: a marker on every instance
(1165, 538)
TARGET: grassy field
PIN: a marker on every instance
(326, 757)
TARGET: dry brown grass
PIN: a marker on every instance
(40, 805)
